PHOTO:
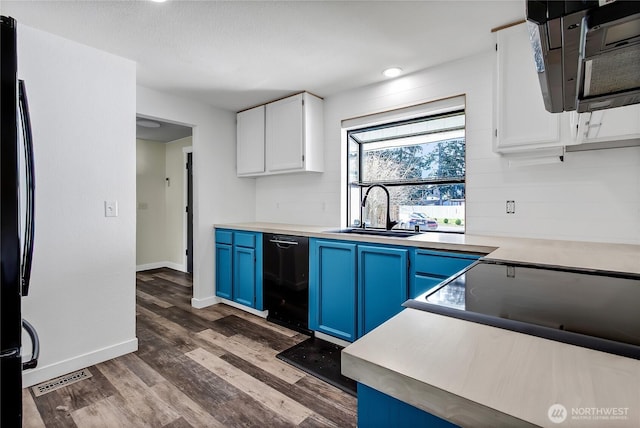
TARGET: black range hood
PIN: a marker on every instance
(587, 53)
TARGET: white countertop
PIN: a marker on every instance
(587, 255)
(479, 375)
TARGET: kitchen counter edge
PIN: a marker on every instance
(487, 376)
(575, 254)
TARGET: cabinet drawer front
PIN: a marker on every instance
(443, 265)
(224, 237)
(247, 240)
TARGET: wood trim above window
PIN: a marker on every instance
(430, 108)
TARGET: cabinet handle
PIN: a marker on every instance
(277, 241)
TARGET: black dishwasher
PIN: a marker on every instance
(286, 280)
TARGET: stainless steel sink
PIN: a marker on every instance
(378, 232)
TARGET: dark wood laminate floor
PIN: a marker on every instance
(211, 367)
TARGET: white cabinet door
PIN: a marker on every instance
(284, 137)
(522, 123)
(250, 141)
(616, 124)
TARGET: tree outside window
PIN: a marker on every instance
(421, 162)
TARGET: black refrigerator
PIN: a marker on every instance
(17, 190)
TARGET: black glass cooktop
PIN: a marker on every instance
(593, 309)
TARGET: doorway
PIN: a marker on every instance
(164, 188)
(189, 210)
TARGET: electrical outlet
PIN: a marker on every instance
(111, 208)
(511, 207)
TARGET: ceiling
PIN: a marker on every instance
(237, 54)
(163, 133)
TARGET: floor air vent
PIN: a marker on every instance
(60, 382)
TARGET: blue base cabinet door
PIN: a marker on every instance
(378, 410)
(244, 276)
(332, 288)
(383, 284)
(224, 271)
(239, 267)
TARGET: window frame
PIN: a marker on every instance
(363, 185)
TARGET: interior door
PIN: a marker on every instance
(189, 212)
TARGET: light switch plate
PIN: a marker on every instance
(111, 208)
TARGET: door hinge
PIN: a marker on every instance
(496, 47)
(186, 252)
(496, 132)
(186, 209)
(302, 158)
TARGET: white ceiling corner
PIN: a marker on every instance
(236, 54)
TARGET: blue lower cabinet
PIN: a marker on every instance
(423, 283)
(383, 284)
(332, 288)
(244, 276)
(239, 267)
(429, 268)
(224, 271)
(378, 410)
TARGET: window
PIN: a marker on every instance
(421, 161)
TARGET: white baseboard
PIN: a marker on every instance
(203, 303)
(214, 300)
(261, 314)
(331, 339)
(40, 374)
(158, 265)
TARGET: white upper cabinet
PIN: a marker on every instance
(294, 134)
(521, 121)
(285, 134)
(250, 141)
(616, 124)
(292, 137)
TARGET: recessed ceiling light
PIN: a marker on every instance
(158, 1)
(392, 72)
(147, 123)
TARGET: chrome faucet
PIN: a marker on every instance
(390, 223)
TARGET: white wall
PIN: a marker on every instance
(82, 298)
(561, 201)
(219, 196)
(151, 239)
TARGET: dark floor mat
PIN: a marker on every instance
(320, 359)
